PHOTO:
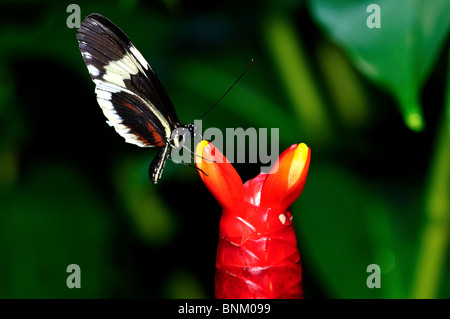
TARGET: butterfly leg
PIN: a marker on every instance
(157, 165)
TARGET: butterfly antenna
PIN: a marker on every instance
(240, 77)
(201, 136)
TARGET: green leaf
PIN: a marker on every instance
(342, 228)
(149, 214)
(52, 221)
(400, 54)
(291, 62)
(183, 285)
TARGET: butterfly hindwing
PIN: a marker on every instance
(131, 116)
(128, 90)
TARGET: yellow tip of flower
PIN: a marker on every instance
(298, 163)
(199, 152)
(203, 144)
(287, 177)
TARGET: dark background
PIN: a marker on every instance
(370, 103)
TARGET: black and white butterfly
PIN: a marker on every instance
(129, 92)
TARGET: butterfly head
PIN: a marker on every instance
(181, 134)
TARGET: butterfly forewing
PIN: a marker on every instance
(128, 90)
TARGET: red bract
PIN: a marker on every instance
(257, 255)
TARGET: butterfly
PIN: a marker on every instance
(129, 92)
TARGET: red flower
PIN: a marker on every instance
(257, 255)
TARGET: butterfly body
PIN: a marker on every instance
(179, 136)
(129, 92)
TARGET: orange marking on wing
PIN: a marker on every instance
(132, 107)
(156, 136)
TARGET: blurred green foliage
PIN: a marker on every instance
(72, 192)
(400, 54)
